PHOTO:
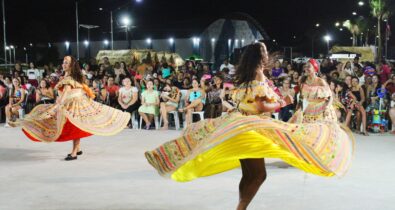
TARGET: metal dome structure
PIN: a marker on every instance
(228, 33)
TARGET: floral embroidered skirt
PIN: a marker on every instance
(78, 117)
(216, 145)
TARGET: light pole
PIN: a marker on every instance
(149, 43)
(126, 22)
(198, 46)
(213, 50)
(67, 44)
(4, 34)
(13, 49)
(105, 42)
(26, 57)
(9, 52)
(89, 27)
(327, 38)
(77, 25)
(229, 47)
(87, 51)
(111, 27)
(172, 45)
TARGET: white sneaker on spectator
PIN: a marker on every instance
(7, 125)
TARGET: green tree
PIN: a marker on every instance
(354, 29)
(382, 10)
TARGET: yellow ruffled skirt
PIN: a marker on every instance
(213, 146)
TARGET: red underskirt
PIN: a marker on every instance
(69, 132)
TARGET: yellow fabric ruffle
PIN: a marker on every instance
(216, 145)
(226, 156)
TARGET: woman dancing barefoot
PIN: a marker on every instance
(245, 137)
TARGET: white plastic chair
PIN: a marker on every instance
(276, 115)
(176, 119)
(201, 114)
(135, 124)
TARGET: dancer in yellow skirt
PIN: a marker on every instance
(244, 138)
(75, 114)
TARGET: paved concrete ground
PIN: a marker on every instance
(113, 174)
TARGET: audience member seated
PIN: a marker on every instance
(290, 69)
(99, 90)
(373, 101)
(120, 73)
(112, 90)
(194, 101)
(149, 104)
(356, 104)
(170, 97)
(16, 100)
(213, 108)
(186, 84)
(227, 77)
(286, 90)
(392, 112)
(128, 99)
(44, 93)
(17, 71)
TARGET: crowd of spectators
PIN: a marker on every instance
(153, 89)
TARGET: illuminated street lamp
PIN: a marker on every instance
(7, 48)
(126, 22)
(149, 43)
(106, 44)
(172, 45)
(327, 38)
(12, 48)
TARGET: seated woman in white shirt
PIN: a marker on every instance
(128, 97)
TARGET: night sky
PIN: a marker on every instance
(289, 22)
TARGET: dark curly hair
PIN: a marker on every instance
(75, 73)
(254, 56)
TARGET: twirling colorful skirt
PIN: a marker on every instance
(216, 145)
(78, 117)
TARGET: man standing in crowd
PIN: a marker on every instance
(229, 66)
(107, 66)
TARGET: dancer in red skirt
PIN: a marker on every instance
(75, 114)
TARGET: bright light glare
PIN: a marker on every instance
(126, 21)
(327, 38)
